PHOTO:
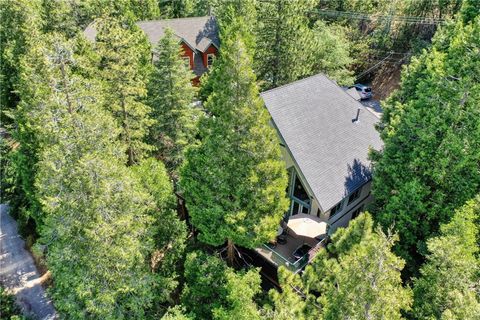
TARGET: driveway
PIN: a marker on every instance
(373, 106)
(18, 273)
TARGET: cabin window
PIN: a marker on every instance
(354, 196)
(336, 209)
(210, 58)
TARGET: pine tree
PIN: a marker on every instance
(287, 304)
(361, 279)
(124, 66)
(234, 182)
(171, 96)
(284, 42)
(132, 10)
(96, 222)
(241, 289)
(176, 313)
(20, 21)
(332, 52)
(168, 232)
(61, 17)
(431, 130)
(449, 282)
(214, 291)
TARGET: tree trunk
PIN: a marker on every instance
(230, 252)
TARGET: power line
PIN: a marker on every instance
(373, 67)
(380, 17)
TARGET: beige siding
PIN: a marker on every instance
(341, 218)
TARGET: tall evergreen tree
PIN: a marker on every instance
(132, 10)
(332, 52)
(171, 96)
(214, 291)
(168, 232)
(284, 41)
(124, 66)
(21, 21)
(287, 304)
(431, 129)
(360, 279)
(449, 283)
(96, 222)
(234, 182)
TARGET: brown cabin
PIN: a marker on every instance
(198, 36)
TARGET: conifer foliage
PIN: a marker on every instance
(95, 212)
(360, 278)
(234, 182)
(449, 283)
(431, 129)
(284, 41)
(124, 66)
(171, 96)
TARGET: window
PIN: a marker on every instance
(187, 61)
(299, 191)
(357, 212)
(354, 196)
(210, 58)
(336, 209)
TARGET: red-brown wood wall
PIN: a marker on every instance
(210, 49)
(188, 53)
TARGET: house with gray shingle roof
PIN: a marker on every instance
(326, 136)
(198, 36)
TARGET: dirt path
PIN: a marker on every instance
(18, 273)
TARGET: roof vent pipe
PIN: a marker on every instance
(356, 120)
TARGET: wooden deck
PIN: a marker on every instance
(282, 254)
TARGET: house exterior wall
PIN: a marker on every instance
(188, 52)
(342, 217)
(210, 49)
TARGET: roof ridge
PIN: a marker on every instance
(170, 19)
(294, 82)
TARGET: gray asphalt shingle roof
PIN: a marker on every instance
(197, 32)
(314, 118)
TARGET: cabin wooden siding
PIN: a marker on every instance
(211, 49)
(187, 52)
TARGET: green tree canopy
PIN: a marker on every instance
(449, 283)
(289, 303)
(431, 129)
(21, 21)
(124, 66)
(168, 232)
(96, 221)
(284, 42)
(214, 291)
(171, 96)
(360, 280)
(332, 52)
(235, 181)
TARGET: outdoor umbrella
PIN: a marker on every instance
(307, 225)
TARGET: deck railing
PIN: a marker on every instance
(299, 264)
(314, 251)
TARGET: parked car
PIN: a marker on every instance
(364, 91)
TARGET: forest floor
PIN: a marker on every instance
(18, 273)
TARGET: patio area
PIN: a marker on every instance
(293, 249)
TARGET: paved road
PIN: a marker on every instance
(18, 272)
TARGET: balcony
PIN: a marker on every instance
(302, 238)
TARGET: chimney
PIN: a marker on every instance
(356, 120)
